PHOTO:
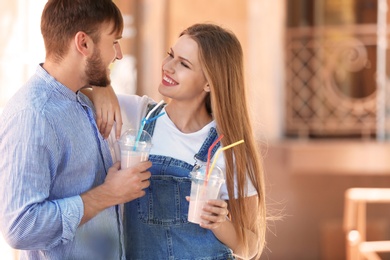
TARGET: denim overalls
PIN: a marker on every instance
(156, 224)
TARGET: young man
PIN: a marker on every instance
(58, 194)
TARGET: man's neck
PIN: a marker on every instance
(67, 73)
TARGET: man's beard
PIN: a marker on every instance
(96, 72)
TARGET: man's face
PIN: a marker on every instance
(96, 71)
(106, 51)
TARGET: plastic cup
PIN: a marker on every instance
(133, 152)
(202, 191)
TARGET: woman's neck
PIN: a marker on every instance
(186, 118)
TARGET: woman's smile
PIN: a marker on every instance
(168, 81)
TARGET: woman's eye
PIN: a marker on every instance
(170, 54)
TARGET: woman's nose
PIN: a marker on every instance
(169, 66)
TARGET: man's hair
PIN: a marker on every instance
(62, 19)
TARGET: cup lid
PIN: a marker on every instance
(215, 175)
(129, 137)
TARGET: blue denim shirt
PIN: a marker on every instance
(156, 225)
(51, 152)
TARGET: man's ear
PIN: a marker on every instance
(83, 43)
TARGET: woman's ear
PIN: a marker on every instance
(83, 43)
(207, 88)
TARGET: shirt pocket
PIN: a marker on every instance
(165, 201)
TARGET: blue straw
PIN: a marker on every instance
(153, 118)
(147, 120)
(143, 121)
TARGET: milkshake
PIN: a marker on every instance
(202, 190)
(134, 147)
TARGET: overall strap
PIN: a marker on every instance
(201, 155)
(203, 151)
(149, 127)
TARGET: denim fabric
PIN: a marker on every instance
(202, 154)
(156, 225)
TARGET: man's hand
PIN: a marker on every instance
(128, 184)
(120, 186)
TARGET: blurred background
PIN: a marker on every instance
(317, 73)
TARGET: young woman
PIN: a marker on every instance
(202, 77)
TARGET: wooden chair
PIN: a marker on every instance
(356, 199)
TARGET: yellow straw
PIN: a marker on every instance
(219, 151)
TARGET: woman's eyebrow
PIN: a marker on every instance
(181, 57)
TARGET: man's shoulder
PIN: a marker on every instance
(33, 99)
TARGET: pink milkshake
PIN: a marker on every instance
(202, 191)
(195, 210)
(130, 158)
(134, 151)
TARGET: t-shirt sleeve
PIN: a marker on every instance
(133, 109)
(250, 190)
(223, 194)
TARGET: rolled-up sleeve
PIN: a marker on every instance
(71, 209)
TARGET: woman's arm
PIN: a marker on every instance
(107, 109)
(223, 228)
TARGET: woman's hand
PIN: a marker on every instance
(215, 213)
(107, 110)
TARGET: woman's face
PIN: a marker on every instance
(182, 75)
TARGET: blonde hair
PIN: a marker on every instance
(221, 56)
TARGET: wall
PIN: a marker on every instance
(311, 199)
(21, 47)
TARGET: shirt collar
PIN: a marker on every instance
(54, 84)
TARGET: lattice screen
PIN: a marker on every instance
(326, 68)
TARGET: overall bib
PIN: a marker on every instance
(156, 225)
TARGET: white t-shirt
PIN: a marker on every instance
(167, 140)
